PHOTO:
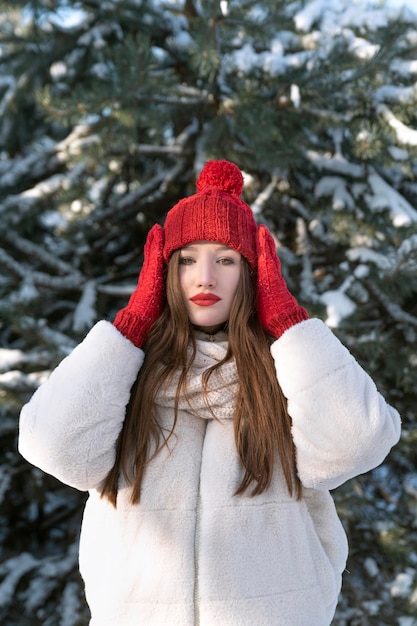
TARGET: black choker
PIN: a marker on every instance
(212, 335)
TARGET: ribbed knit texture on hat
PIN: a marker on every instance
(214, 213)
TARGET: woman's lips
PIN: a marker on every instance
(205, 299)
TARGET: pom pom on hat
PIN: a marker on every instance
(222, 175)
(215, 213)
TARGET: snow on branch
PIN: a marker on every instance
(336, 164)
(17, 381)
(12, 571)
(50, 574)
(385, 196)
(263, 197)
(396, 95)
(85, 313)
(405, 135)
(14, 359)
(307, 283)
(408, 247)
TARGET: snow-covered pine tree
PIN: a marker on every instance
(107, 112)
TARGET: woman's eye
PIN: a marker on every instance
(185, 260)
(226, 261)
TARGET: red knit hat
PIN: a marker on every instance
(214, 213)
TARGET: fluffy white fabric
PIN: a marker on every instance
(222, 385)
(70, 426)
(192, 552)
(352, 427)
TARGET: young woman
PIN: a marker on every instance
(208, 424)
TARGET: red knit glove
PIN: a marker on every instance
(277, 309)
(147, 301)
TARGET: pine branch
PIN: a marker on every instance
(33, 251)
(393, 309)
(41, 334)
(84, 129)
(179, 147)
(11, 94)
(204, 98)
(157, 186)
(31, 198)
(148, 150)
(39, 163)
(72, 281)
(173, 174)
(406, 257)
(129, 201)
(148, 193)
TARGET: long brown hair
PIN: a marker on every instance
(262, 425)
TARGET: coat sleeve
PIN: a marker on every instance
(341, 424)
(70, 426)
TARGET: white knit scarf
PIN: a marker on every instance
(221, 388)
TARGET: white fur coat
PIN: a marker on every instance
(191, 553)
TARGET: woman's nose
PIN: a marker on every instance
(206, 276)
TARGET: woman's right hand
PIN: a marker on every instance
(147, 301)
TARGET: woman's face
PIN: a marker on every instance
(209, 275)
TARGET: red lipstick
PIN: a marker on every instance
(205, 299)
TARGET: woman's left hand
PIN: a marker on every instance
(277, 309)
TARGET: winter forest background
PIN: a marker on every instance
(108, 109)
